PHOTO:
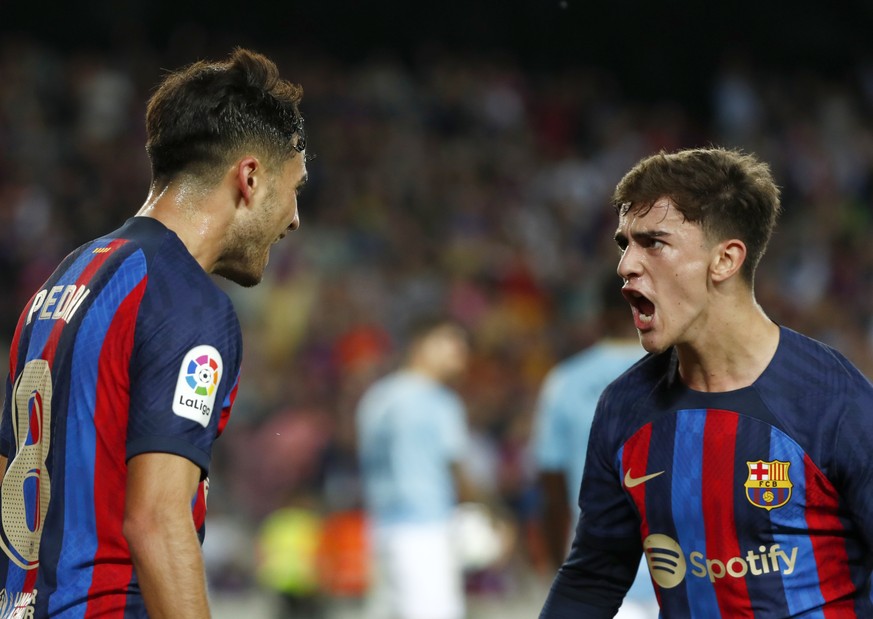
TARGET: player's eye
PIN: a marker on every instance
(651, 242)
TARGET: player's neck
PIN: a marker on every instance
(195, 224)
(731, 351)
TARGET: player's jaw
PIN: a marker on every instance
(248, 242)
(646, 317)
(642, 308)
(242, 272)
(246, 254)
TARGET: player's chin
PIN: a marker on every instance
(246, 277)
(651, 342)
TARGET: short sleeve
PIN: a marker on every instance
(606, 511)
(853, 466)
(185, 367)
(605, 554)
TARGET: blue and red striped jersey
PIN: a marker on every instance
(128, 348)
(755, 503)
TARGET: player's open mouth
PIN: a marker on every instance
(643, 309)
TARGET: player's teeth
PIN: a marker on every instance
(646, 317)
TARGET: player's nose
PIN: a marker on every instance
(629, 264)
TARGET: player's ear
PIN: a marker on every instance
(247, 176)
(727, 258)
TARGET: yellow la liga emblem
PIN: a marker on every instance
(768, 485)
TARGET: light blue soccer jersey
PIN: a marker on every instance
(566, 408)
(410, 430)
(563, 422)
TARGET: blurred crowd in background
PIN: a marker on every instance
(467, 184)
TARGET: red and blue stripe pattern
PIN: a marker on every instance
(93, 357)
(112, 356)
(100, 371)
(741, 560)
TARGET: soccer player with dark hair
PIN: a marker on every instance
(735, 454)
(412, 436)
(125, 363)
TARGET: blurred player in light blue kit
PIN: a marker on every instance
(563, 421)
(412, 434)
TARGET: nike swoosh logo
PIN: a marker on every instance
(630, 482)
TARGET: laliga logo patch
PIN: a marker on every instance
(203, 375)
(196, 386)
(768, 485)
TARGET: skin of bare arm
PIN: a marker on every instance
(555, 517)
(160, 532)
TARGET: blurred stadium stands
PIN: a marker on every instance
(464, 156)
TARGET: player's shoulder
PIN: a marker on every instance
(813, 363)
(640, 379)
(380, 391)
(605, 354)
(174, 276)
(409, 390)
(570, 370)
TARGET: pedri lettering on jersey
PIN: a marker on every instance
(58, 302)
(18, 607)
(668, 567)
(197, 384)
(768, 485)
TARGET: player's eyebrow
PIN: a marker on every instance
(642, 237)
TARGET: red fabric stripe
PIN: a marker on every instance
(85, 276)
(51, 347)
(719, 442)
(200, 505)
(831, 559)
(113, 568)
(635, 458)
(225, 412)
(30, 580)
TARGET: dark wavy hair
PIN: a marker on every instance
(729, 193)
(203, 115)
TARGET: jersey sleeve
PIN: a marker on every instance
(184, 370)
(853, 464)
(605, 554)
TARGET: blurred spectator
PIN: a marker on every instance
(471, 183)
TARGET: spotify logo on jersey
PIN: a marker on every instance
(668, 567)
(665, 559)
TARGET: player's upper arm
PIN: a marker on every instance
(184, 368)
(159, 485)
(853, 467)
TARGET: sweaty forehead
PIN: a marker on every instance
(659, 214)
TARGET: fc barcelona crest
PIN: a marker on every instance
(768, 485)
